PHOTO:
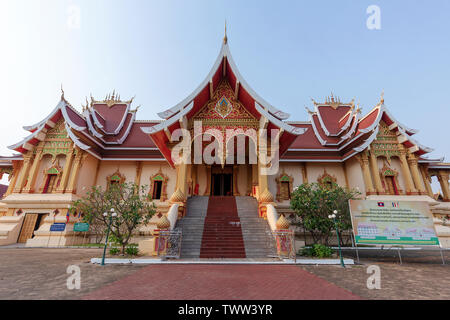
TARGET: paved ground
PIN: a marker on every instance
(221, 282)
(41, 274)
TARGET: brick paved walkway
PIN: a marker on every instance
(221, 282)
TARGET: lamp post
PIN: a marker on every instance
(333, 216)
(113, 214)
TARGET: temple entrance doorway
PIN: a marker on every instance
(222, 181)
(31, 223)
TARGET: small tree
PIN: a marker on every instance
(312, 204)
(132, 204)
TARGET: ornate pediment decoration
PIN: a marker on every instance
(223, 107)
(326, 179)
(57, 141)
(285, 184)
(386, 143)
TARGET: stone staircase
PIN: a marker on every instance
(255, 230)
(222, 233)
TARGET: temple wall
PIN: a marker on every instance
(242, 179)
(107, 168)
(315, 170)
(86, 175)
(355, 176)
(395, 164)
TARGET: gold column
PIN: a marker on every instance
(426, 180)
(23, 172)
(304, 173)
(265, 195)
(235, 181)
(137, 180)
(33, 171)
(376, 174)
(208, 181)
(74, 172)
(249, 169)
(412, 161)
(66, 172)
(344, 167)
(410, 189)
(15, 174)
(443, 181)
(364, 162)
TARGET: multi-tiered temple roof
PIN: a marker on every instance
(108, 129)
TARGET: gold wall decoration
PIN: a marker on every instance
(387, 173)
(115, 178)
(51, 178)
(285, 184)
(326, 179)
(386, 143)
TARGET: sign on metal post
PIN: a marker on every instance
(392, 223)
(58, 227)
(81, 227)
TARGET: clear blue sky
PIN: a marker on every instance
(288, 51)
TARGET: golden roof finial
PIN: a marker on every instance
(62, 92)
(382, 97)
(225, 38)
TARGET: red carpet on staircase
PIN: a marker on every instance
(222, 233)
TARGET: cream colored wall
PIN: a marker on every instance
(293, 169)
(242, 179)
(107, 168)
(355, 175)
(86, 175)
(315, 170)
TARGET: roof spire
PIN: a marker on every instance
(225, 39)
(62, 92)
(382, 97)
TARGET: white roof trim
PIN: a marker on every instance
(169, 122)
(413, 141)
(282, 125)
(368, 141)
(75, 139)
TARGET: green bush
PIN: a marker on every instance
(317, 250)
(132, 250)
(114, 251)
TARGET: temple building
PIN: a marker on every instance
(70, 150)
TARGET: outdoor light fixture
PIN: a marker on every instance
(333, 216)
(113, 215)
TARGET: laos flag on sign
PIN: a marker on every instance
(381, 204)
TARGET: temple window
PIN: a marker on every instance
(50, 183)
(158, 189)
(115, 179)
(284, 186)
(326, 180)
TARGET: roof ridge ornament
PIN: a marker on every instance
(111, 99)
(225, 38)
(382, 97)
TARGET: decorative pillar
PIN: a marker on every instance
(180, 191)
(426, 180)
(15, 174)
(443, 181)
(304, 172)
(235, 181)
(410, 189)
(249, 179)
(23, 172)
(66, 171)
(33, 171)
(194, 179)
(376, 174)
(74, 172)
(208, 181)
(344, 167)
(412, 161)
(137, 180)
(364, 162)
